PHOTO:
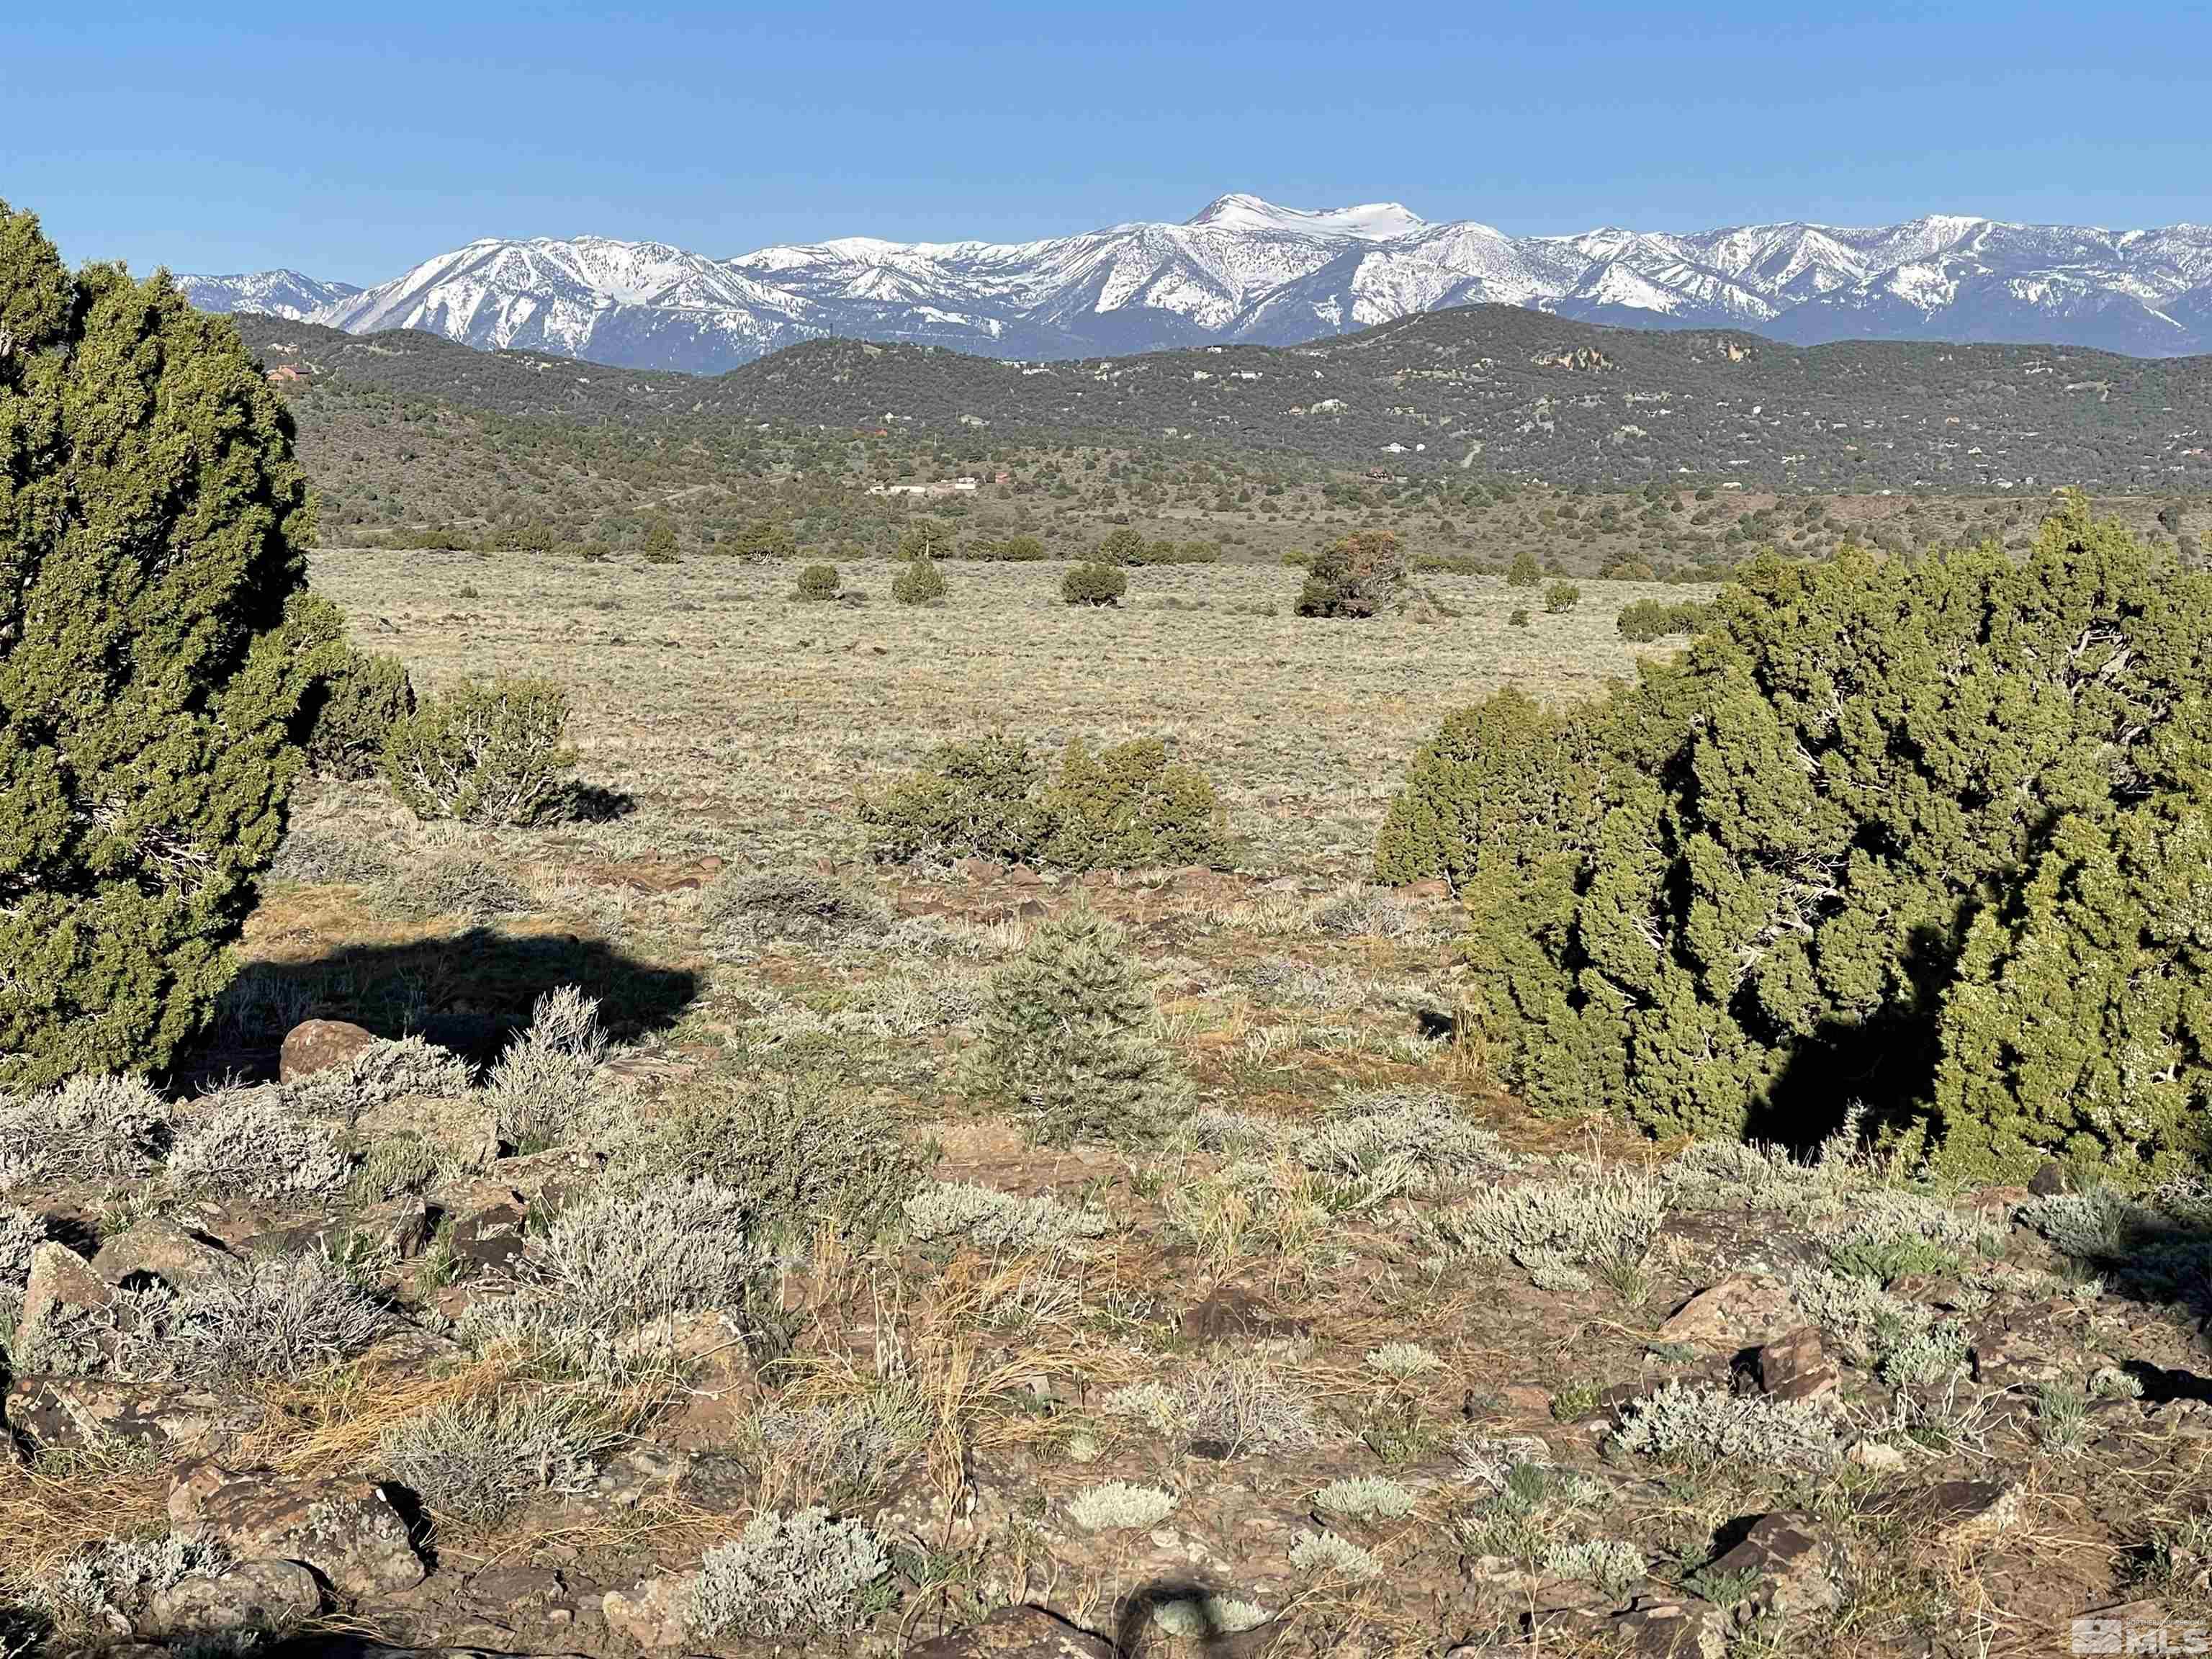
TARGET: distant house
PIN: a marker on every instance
(937, 487)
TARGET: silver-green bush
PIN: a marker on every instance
(89, 1128)
(476, 1460)
(805, 1573)
(388, 1069)
(1554, 1228)
(544, 1088)
(996, 1220)
(618, 1259)
(1680, 1424)
(800, 1148)
(251, 1147)
(1118, 1506)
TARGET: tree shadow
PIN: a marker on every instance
(1878, 1067)
(590, 803)
(1824, 1078)
(470, 991)
(1134, 1632)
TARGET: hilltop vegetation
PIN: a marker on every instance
(1491, 389)
(1503, 390)
(752, 1277)
(416, 441)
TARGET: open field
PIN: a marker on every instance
(742, 718)
(1355, 1357)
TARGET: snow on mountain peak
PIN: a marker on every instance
(1368, 221)
(285, 293)
(1249, 270)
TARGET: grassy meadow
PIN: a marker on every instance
(741, 718)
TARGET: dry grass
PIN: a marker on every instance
(54, 1505)
(741, 718)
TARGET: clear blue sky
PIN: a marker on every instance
(351, 142)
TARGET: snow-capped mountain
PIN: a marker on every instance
(644, 304)
(1248, 270)
(285, 293)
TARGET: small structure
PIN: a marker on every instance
(937, 487)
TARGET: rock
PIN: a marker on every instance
(487, 1226)
(55, 1412)
(1876, 1455)
(401, 1225)
(2017, 1354)
(1969, 1514)
(516, 1587)
(1996, 1204)
(1956, 1514)
(1737, 1311)
(1232, 1313)
(1796, 1367)
(990, 1497)
(2131, 1627)
(636, 1470)
(654, 1615)
(162, 1250)
(1674, 1628)
(61, 1283)
(316, 1045)
(2049, 1179)
(1015, 1633)
(346, 1529)
(1790, 1565)
(466, 1130)
(254, 1595)
(1930, 1290)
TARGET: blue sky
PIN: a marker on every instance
(351, 142)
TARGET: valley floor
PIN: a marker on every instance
(1361, 1360)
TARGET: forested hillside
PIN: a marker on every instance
(1593, 449)
(1493, 388)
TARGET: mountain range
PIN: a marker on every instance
(1245, 270)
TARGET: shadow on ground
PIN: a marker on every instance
(470, 991)
(1135, 1634)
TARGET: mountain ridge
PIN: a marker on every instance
(1486, 390)
(1246, 271)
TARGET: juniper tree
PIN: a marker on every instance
(151, 514)
(925, 538)
(1356, 576)
(918, 582)
(352, 709)
(1072, 1038)
(1122, 546)
(1501, 785)
(2081, 1023)
(1923, 838)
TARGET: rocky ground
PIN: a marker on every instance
(743, 1325)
